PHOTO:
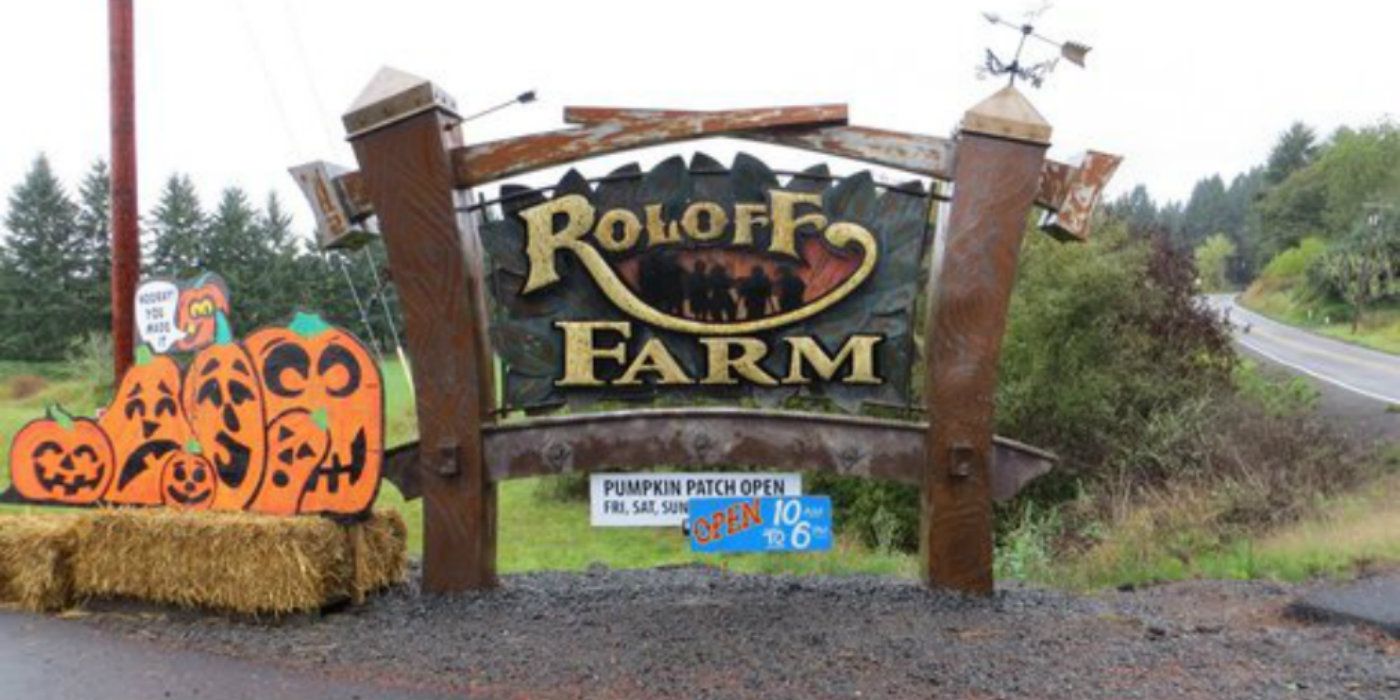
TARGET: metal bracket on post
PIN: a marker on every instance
(962, 458)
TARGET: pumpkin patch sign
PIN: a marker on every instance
(289, 421)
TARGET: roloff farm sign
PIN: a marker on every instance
(698, 277)
(695, 281)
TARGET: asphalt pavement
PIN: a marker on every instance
(54, 659)
(1366, 373)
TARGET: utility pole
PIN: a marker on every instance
(126, 244)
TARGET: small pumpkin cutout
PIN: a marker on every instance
(61, 459)
(145, 423)
(188, 480)
(197, 315)
(312, 366)
(223, 399)
(297, 443)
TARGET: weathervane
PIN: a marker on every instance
(1035, 74)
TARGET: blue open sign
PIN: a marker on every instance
(775, 524)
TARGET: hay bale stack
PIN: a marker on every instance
(379, 552)
(36, 560)
(237, 562)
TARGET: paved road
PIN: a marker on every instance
(1366, 373)
(42, 657)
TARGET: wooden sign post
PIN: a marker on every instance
(702, 280)
(1001, 147)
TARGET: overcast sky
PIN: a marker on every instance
(233, 91)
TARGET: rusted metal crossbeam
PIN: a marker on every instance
(923, 155)
(486, 162)
(712, 437)
(1068, 193)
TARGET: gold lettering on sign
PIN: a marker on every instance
(619, 232)
(728, 360)
(746, 216)
(654, 358)
(660, 232)
(611, 238)
(786, 222)
(713, 213)
(580, 353)
(858, 349)
(543, 241)
(721, 361)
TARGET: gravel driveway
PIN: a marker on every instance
(700, 632)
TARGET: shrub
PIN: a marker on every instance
(90, 360)
(1293, 263)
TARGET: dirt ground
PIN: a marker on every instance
(699, 632)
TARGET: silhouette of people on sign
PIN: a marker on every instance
(673, 283)
(697, 291)
(791, 289)
(722, 306)
(650, 280)
(757, 292)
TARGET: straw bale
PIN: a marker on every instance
(237, 562)
(35, 560)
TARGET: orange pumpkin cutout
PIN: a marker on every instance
(197, 313)
(223, 399)
(312, 366)
(297, 443)
(188, 480)
(61, 459)
(145, 423)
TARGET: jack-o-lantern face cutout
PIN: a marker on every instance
(297, 443)
(61, 459)
(187, 480)
(224, 401)
(197, 314)
(312, 366)
(145, 423)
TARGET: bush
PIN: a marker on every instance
(883, 515)
(90, 359)
(1108, 357)
(1108, 360)
(1293, 263)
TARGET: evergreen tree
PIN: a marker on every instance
(177, 229)
(1206, 211)
(1138, 211)
(1295, 149)
(233, 249)
(43, 271)
(94, 235)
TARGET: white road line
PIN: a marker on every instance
(1317, 375)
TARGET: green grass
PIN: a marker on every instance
(1379, 329)
(536, 532)
(1176, 539)
(1148, 544)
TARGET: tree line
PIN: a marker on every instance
(55, 262)
(1334, 201)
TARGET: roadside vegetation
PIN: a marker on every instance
(1312, 235)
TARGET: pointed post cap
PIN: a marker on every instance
(1009, 115)
(390, 97)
